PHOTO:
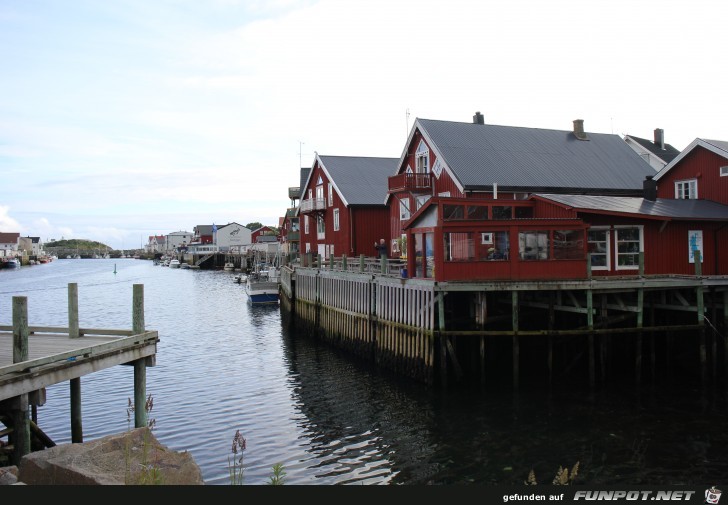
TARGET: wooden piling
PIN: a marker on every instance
(140, 365)
(19, 405)
(76, 417)
(515, 342)
(73, 310)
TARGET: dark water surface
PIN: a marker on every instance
(223, 366)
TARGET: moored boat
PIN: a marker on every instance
(174, 263)
(262, 286)
(11, 263)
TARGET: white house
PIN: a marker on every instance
(232, 237)
(32, 246)
(178, 239)
(9, 244)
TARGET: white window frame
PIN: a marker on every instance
(331, 195)
(404, 211)
(320, 227)
(641, 229)
(724, 171)
(305, 225)
(336, 219)
(422, 158)
(308, 247)
(686, 189)
(608, 246)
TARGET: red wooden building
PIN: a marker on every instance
(342, 210)
(562, 195)
(264, 234)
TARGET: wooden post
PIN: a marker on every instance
(140, 365)
(550, 339)
(701, 320)
(383, 264)
(76, 418)
(725, 340)
(19, 409)
(73, 310)
(516, 348)
(638, 345)
(344, 266)
(331, 261)
(590, 324)
(361, 263)
(443, 344)
(641, 264)
(319, 261)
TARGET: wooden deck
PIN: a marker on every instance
(54, 357)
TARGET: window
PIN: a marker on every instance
(502, 212)
(404, 211)
(320, 196)
(305, 224)
(629, 246)
(420, 201)
(568, 244)
(450, 212)
(336, 219)
(459, 247)
(479, 213)
(320, 227)
(308, 247)
(331, 195)
(524, 212)
(494, 245)
(533, 245)
(724, 171)
(422, 158)
(598, 248)
(686, 189)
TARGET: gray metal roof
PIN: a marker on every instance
(667, 155)
(666, 208)
(515, 157)
(360, 180)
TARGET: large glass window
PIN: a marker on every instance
(524, 212)
(478, 212)
(502, 212)
(533, 245)
(598, 246)
(568, 244)
(629, 246)
(459, 247)
(493, 245)
(336, 220)
(320, 227)
(422, 158)
(451, 212)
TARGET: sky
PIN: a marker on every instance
(122, 119)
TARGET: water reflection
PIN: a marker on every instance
(224, 365)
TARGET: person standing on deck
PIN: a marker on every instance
(381, 248)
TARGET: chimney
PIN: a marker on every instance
(649, 188)
(478, 118)
(660, 138)
(579, 129)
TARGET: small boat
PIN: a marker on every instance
(262, 286)
(12, 263)
(174, 263)
(229, 267)
(240, 278)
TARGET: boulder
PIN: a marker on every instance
(134, 457)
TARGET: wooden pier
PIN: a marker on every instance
(35, 357)
(478, 331)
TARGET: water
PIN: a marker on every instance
(223, 365)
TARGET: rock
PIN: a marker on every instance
(8, 475)
(134, 457)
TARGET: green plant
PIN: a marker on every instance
(235, 464)
(278, 475)
(150, 473)
(563, 477)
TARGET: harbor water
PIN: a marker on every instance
(223, 365)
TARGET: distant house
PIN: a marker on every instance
(9, 244)
(655, 152)
(343, 207)
(232, 237)
(264, 234)
(290, 225)
(178, 240)
(203, 234)
(156, 244)
(30, 246)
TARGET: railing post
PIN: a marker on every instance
(343, 263)
(331, 261)
(361, 263)
(73, 310)
(19, 410)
